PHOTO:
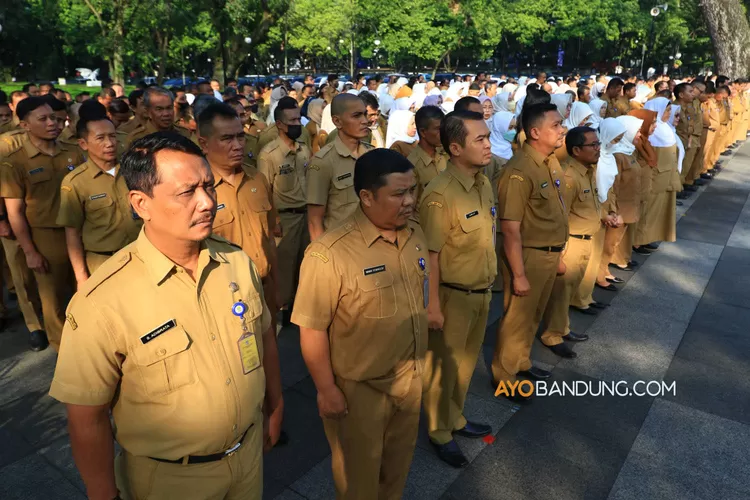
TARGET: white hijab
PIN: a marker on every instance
(398, 123)
(403, 103)
(663, 136)
(632, 126)
(606, 168)
(598, 89)
(579, 112)
(418, 94)
(596, 106)
(499, 124)
(678, 141)
(501, 102)
(326, 122)
(561, 101)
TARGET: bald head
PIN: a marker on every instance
(342, 102)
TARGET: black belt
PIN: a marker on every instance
(300, 210)
(207, 458)
(581, 236)
(549, 249)
(454, 287)
(109, 254)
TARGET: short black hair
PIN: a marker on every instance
(474, 86)
(107, 92)
(82, 127)
(628, 87)
(134, 97)
(91, 110)
(576, 138)
(207, 116)
(201, 102)
(369, 100)
(615, 82)
(679, 89)
(533, 114)
(339, 103)
(138, 164)
(372, 168)
(49, 85)
(26, 87)
(426, 114)
(203, 82)
(285, 102)
(54, 103)
(464, 103)
(118, 106)
(659, 86)
(453, 130)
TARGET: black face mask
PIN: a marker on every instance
(254, 108)
(293, 131)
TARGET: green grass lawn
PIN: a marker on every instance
(73, 88)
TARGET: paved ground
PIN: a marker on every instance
(681, 317)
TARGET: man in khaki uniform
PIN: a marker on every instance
(584, 219)
(457, 213)
(617, 104)
(30, 181)
(271, 133)
(94, 205)
(140, 114)
(363, 330)
(535, 230)
(159, 104)
(428, 157)
(284, 164)
(711, 124)
(330, 176)
(245, 214)
(6, 118)
(689, 130)
(172, 335)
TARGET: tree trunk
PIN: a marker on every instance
(730, 35)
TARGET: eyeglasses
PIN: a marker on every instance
(595, 145)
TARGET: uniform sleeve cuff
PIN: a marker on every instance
(76, 396)
(307, 322)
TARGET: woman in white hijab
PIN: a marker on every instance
(502, 133)
(402, 132)
(315, 114)
(563, 103)
(580, 115)
(501, 102)
(597, 90)
(326, 122)
(599, 108)
(659, 220)
(276, 95)
(418, 94)
(627, 192)
(404, 104)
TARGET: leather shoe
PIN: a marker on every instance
(698, 182)
(727, 153)
(707, 176)
(651, 246)
(575, 337)
(535, 373)
(679, 203)
(683, 195)
(451, 454)
(38, 340)
(690, 188)
(599, 305)
(474, 430)
(626, 268)
(632, 263)
(615, 280)
(642, 251)
(609, 288)
(589, 311)
(563, 351)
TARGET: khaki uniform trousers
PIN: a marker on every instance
(696, 168)
(497, 286)
(290, 250)
(522, 315)
(708, 158)
(95, 260)
(236, 477)
(624, 250)
(556, 319)
(451, 358)
(372, 446)
(686, 163)
(613, 236)
(24, 284)
(55, 286)
(584, 295)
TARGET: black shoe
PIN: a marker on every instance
(615, 280)
(535, 373)
(599, 305)
(563, 351)
(620, 268)
(589, 311)
(651, 246)
(641, 250)
(451, 454)
(632, 263)
(38, 340)
(575, 337)
(726, 153)
(12, 296)
(699, 182)
(474, 430)
(609, 288)
(689, 188)
(679, 203)
(683, 195)
(707, 176)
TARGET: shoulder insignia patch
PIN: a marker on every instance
(66, 188)
(320, 256)
(72, 321)
(435, 204)
(314, 167)
(516, 177)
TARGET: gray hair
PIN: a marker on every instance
(151, 92)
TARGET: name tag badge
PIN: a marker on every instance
(38, 170)
(249, 355)
(374, 270)
(159, 330)
(98, 196)
(544, 184)
(586, 191)
(220, 206)
(342, 177)
(286, 169)
(426, 291)
(472, 214)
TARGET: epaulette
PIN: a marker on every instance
(438, 184)
(324, 150)
(77, 171)
(108, 269)
(222, 240)
(334, 235)
(274, 144)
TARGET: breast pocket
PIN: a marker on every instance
(39, 175)
(343, 181)
(100, 210)
(165, 363)
(224, 217)
(286, 180)
(377, 295)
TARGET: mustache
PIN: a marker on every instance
(202, 220)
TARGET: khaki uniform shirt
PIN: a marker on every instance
(245, 215)
(163, 349)
(616, 107)
(404, 148)
(330, 181)
(285, 170)
(130, 125)
(34, 177)
(426, 167)
(96, 203)
(711, 112)
(149, 128)
(271, 133)
(457, 213)
(530, 192)
(8, 127)
(690, 124)
(493, 172)
(581, 201)
(627, 188)
(12, 141)
(252, 134)
(368, 294)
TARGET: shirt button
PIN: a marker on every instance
(213, 337)
(229, 381)
(161, 352)
(234, 427)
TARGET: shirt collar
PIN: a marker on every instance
(342, 149)
(159, 265)
(467, 181)
(32, 150)
(96, 171)
(535, 155)
(285, 149)
(578, 166)
(370, 233)
(218, 179)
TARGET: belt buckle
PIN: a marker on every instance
(231, 451)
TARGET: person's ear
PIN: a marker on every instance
(535, 133)
(337, 121)
(141, 204)
(83, 144)
(367, 198)
(455, 149)
(203, 143)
